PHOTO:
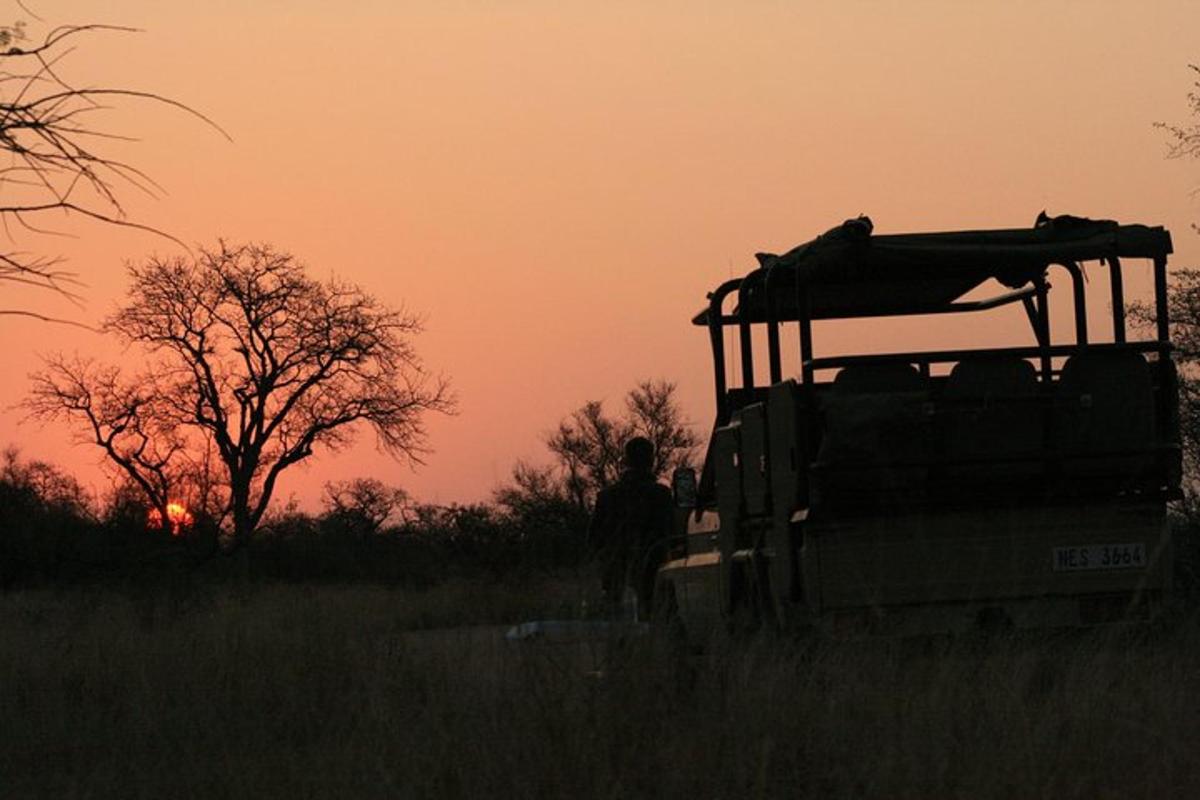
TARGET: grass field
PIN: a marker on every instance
(296, 692)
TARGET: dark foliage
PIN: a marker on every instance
(49, 536)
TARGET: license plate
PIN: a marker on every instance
(1100, 556)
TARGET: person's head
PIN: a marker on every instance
(639, 454)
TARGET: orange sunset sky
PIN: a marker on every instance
(555, 185)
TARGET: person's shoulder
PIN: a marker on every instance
(649, 484)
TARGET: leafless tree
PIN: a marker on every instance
(56, 168)
(126, 419)
(654, 411)
(589, 444)
(247, 351)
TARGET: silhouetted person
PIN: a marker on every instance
(631, 516)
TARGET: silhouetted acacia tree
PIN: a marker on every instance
(588, 444)
(245, 350)
(54, 166)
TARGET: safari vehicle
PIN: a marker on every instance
(917, 492)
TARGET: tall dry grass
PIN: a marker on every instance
(291, 692)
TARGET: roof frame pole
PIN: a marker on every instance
(716, 337)
(1161, 316)
(747, 345)
(1043, 326)
(1118, 298)
(773, 354)
(804, 317)
(1077, 294)
(1031, 311)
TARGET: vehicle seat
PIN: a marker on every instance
(991, 416)
(1104, 414)
(878, 378)
(875, 446)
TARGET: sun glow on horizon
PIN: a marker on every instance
(178, 517)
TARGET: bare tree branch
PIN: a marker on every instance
(16, 312)
(118, 416)
(52, 166)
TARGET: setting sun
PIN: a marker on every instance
(177, 515)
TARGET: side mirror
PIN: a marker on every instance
(683, 487)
